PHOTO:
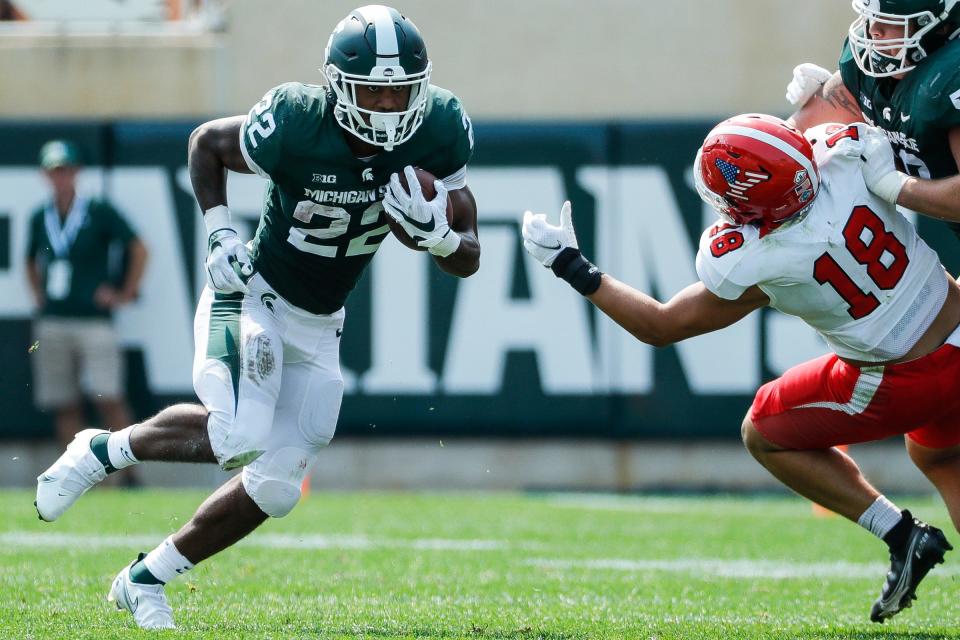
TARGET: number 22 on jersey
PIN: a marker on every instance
(870, 244)
(329, 241)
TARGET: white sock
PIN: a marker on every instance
(118, 448)
(165, 562)
(880, 517)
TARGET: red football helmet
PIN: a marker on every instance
(756, 169)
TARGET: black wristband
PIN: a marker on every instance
(579, 272)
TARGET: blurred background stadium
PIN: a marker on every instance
(505, 380)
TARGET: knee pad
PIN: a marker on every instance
(273, 480)
(275, 498)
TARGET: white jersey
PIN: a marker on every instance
(852, 267)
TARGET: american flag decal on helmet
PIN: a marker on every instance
(731, 173)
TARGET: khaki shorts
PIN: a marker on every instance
(75, 355)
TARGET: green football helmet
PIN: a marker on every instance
(924, 24)
(377, 46)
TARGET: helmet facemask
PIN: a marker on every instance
(379, 128)
(723, 207)
(881, 58)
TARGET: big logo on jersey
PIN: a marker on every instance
(738, 188)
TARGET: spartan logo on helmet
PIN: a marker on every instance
(890, 37)
(377, 46)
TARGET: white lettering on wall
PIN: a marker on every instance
(641, 239)
(790, 341)
(488, 323)
(400, 322)
(161, 321)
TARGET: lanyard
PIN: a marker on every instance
(62, 237)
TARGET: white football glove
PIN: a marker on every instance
(807, 80)
(228, 264)
(545, 241)
(425, 221)
(556, 248)
(879, 169)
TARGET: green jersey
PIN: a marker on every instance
(322, 219)
(74, 254)
(916, 112)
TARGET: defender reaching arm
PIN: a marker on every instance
(693, 311)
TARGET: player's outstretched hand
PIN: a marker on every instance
(807, 80)
(228, 264)
(879, 169)
(556, 247)
(545, 241)
(423, 220)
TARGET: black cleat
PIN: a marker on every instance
(925, 548)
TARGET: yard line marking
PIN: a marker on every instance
(662, 504)
(715, 567)
(26, 539)
(703, 567)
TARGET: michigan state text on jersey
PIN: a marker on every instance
(898, 71)
(268, 325)
(916, 112)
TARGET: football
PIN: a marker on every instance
(426, 179)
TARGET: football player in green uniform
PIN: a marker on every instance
(332, 155)
(899, 71)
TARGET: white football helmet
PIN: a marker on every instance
(922, 25)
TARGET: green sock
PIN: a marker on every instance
(141, 575)
(98, 444)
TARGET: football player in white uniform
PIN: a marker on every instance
(802, 233)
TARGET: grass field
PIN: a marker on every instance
(480, 566)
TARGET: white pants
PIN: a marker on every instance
(269, 374)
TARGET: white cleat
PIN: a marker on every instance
(147, 602)
(69, 477)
